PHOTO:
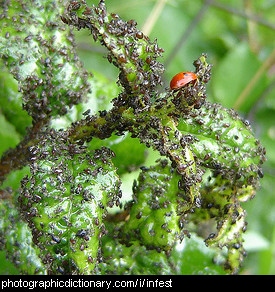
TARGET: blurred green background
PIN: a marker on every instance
(239, 39)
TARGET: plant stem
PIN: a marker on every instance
(18, 157)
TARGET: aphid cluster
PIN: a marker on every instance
(129, 49)
(194, 135)
(155, 196)
(50, 75)
(189, 88)
(64, 202)
(213, 160)
(15, 236)
(214, 123)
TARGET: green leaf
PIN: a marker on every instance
(38, 51)
(129, 50)
(8, 136)
(192, 257)
(65, 201)
(224, 142)
(16, 237)
(11, 102)
(131, 260)
(154, 219)
(189, 257)
(7, 268)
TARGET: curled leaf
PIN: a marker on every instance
(129, 50)
(65, 200)
(225, 143)
(154, 220)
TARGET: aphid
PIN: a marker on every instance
(75, 5)
(139, 35)
(181, 79)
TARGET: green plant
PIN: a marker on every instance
(60, 220)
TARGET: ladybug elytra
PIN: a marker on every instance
(181, 79)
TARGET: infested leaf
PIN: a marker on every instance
(154, 220)
(39, 52)
(16, 238)
(64, 202)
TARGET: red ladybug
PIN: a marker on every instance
(182, 79)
